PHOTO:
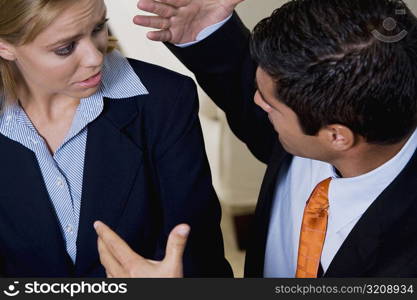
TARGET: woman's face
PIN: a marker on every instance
(67, 57)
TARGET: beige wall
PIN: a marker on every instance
(252, 11)
(135, 44)
(412, 4)
(133, 38)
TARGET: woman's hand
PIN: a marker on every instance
(120, 261)
(180, 21)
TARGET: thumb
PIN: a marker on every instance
(176, 244)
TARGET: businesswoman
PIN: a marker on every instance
(85, 135)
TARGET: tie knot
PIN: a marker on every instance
(319, 199)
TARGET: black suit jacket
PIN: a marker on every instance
(382, 244)
(145, 172)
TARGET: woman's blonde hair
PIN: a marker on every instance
(21, 21)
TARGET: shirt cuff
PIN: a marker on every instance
(206, 32)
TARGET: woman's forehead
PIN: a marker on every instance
(73, 20)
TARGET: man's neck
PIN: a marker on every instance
(366, 158)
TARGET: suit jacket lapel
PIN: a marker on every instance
(29, 209)
(362, 254)
(111, 164)
(255, 255)
(359, 251)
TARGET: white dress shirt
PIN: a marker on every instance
(206, 32)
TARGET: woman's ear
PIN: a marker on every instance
(7, 51)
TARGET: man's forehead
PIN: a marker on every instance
(265, 82)
(267, 89)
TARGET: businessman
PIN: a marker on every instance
(325, 93)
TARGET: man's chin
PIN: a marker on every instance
(283, 144)
(293, 151)
(286, 148)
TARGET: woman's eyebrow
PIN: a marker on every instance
(104, 17)
(77, 36)
(65, 40)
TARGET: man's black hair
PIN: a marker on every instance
(349, 62)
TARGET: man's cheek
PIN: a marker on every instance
(275, 124)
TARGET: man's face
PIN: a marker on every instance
(67, 57)
(285, 121)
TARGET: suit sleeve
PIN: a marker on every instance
(185, 187)
(224, 69)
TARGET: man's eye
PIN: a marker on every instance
(100, 27)
(65, 51)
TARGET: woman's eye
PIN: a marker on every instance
(65, 51)
(100, 27)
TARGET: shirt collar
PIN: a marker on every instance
(119, 79)
(349, 198)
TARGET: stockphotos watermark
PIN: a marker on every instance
(72, 289)
(390, 24)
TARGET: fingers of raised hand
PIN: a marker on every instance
(174, 3)
(160, 36)
(152, 22)
(158, 8)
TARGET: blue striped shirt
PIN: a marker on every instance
(63, 171)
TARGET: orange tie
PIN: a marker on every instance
(313, 231)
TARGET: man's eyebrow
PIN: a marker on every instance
(77, 36)
(262, 96)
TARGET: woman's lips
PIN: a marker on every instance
(91, 82)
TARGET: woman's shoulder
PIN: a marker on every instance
(169, 108)
(168, 91)
(158, 79)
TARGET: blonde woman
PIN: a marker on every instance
(88, 135)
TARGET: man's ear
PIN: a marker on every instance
(7, 51)
(338, 137)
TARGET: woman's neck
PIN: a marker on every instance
(51, 115)
(45, 107)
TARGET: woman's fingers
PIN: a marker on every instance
(120, 260)
(115, 245)
(110, 263)
(177, 241)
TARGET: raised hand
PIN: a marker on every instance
(120, 261)
(180, 21)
